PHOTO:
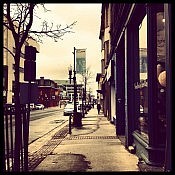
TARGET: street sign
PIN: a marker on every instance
(80, 61)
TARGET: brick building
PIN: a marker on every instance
(48, 92)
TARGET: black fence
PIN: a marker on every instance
(9, 138)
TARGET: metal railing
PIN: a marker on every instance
(9, 138)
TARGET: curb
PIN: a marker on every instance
(36, 145)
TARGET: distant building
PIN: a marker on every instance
(68, 93)
(48, 92)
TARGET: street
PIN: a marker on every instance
(94, 147)
(41, 123)
(89, 90)
(44, 121)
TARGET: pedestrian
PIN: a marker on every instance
(98, 108)
(93, 104)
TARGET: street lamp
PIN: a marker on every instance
(70, 73)
(77, 116)
(4, 96)
(83, 102)
(70, 76)
(75, 87)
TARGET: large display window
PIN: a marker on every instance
(142, 123)
(161, 76)
(150, 48)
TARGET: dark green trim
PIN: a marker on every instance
(145, 152)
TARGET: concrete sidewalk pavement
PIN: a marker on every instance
(94, 147)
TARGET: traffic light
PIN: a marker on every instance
(30, 64)
(30, 53)
(29, 70)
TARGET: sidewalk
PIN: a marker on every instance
(92, 148)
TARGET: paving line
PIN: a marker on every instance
(36, 158)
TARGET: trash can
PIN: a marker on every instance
(77, 119)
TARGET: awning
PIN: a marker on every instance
(100, 91)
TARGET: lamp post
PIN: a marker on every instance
(75, 87)
(70, 73)
(83, 100)
(77, 116)
(85, 83)
(70, 77)
(4, 96)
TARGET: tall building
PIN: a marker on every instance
(136, 76)
(8, 63)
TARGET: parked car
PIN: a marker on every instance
(79, 107)
(32, 106)
(69, 109)
(39, 106)
(10, 106)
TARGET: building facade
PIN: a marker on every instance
(137, 71)
(69, 90)
(8, 64)
(48, 92)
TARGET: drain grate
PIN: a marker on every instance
(61, 134)
(36, 158)
(91, 137)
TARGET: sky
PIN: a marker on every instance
(54, 58)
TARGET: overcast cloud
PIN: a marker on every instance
(55, 57)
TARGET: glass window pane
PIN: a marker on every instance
(161, 75)
(143, 84)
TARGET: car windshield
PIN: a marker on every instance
(69, 105)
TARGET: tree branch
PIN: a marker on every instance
(28, 26)
(52, 33)
(9, 51)
(11, 25)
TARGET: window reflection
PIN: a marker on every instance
(142, 125)
(161, 75)
(143, 117)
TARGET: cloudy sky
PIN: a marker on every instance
(55, 57)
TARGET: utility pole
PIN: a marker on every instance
(85, 93)
(75, 87)
(29, 75)
(70, 73)
(77, 116)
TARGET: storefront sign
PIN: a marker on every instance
(139, 85)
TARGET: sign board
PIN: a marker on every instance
(24, 93)
(80, 61)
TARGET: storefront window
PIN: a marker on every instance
(161, 75)
(143, 83)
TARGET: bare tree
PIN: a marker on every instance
(86, 76)
(85, 79)
(18, 18)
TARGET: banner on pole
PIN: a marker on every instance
(80, 61)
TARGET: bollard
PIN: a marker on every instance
(70, 124)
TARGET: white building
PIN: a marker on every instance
(8, 63)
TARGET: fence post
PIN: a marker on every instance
(70, 124)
